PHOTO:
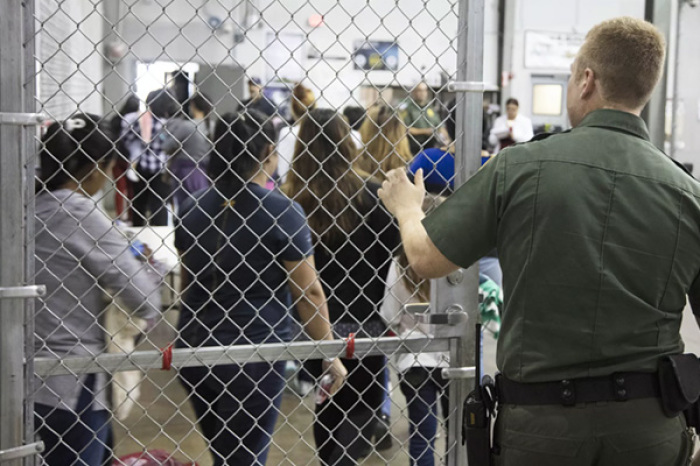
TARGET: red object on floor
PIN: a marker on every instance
(150, 458)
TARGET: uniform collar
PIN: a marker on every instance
(617, 121)
(427, 104)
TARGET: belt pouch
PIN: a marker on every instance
(679, 381)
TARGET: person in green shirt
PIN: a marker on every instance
(598, 234)
(421, 119)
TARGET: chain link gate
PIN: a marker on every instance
(100, 364)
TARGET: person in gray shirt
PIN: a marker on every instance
(79, 255)
(188, 149)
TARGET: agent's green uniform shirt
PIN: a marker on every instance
(415, 116)
(598, 233)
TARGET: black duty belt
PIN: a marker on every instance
(622, 386)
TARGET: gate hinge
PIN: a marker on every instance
(446, 318)
(21, 452)
(466, 86)
(22, 292)
(448, 324)
(22, 119)
(458, 372)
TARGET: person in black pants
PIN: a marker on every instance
(142, 137)
(151, 193)
(354, 242)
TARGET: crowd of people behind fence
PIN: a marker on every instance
(272, 219)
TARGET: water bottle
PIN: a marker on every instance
(324, 388)
(138, 249)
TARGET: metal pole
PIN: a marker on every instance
(12, 223)
(654, 114)
(29, 163)
(460, 291)
(674, 102)
(119, 72)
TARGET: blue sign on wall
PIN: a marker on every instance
(376, 55)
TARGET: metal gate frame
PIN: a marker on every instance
(454, 303)
(463, 289)
(17, 129)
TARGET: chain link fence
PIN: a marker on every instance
(201, 205)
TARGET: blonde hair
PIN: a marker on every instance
(627, 57)
(385, 137)
(302, 100)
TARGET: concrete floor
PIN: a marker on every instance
(162, 426)
(164, 419)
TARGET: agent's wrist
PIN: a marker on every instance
(409, 214)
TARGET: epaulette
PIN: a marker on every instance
(678, 164)
(542, 136)
(681, 166)
(537, 137)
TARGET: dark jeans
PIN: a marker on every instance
(424, 388)
(73, 437)
(148, 207)
(347, 419)
(236, 407)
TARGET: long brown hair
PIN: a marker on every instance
(321, 178)
(385, 137)
(418, 286)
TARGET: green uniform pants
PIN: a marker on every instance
(634, 432)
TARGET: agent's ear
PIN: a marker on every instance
(588, 84)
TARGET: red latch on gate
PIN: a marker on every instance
(167, 353)
(350, 348)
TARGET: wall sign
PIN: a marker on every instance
(551, 50)
(376, 55)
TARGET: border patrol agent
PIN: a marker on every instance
(420, 118)
(598, 233)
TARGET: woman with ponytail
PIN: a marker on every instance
(246, 259)
(79, 254)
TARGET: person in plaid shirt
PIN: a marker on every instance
(142, 136)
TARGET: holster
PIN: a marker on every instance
(679, 382)
(478, 409)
